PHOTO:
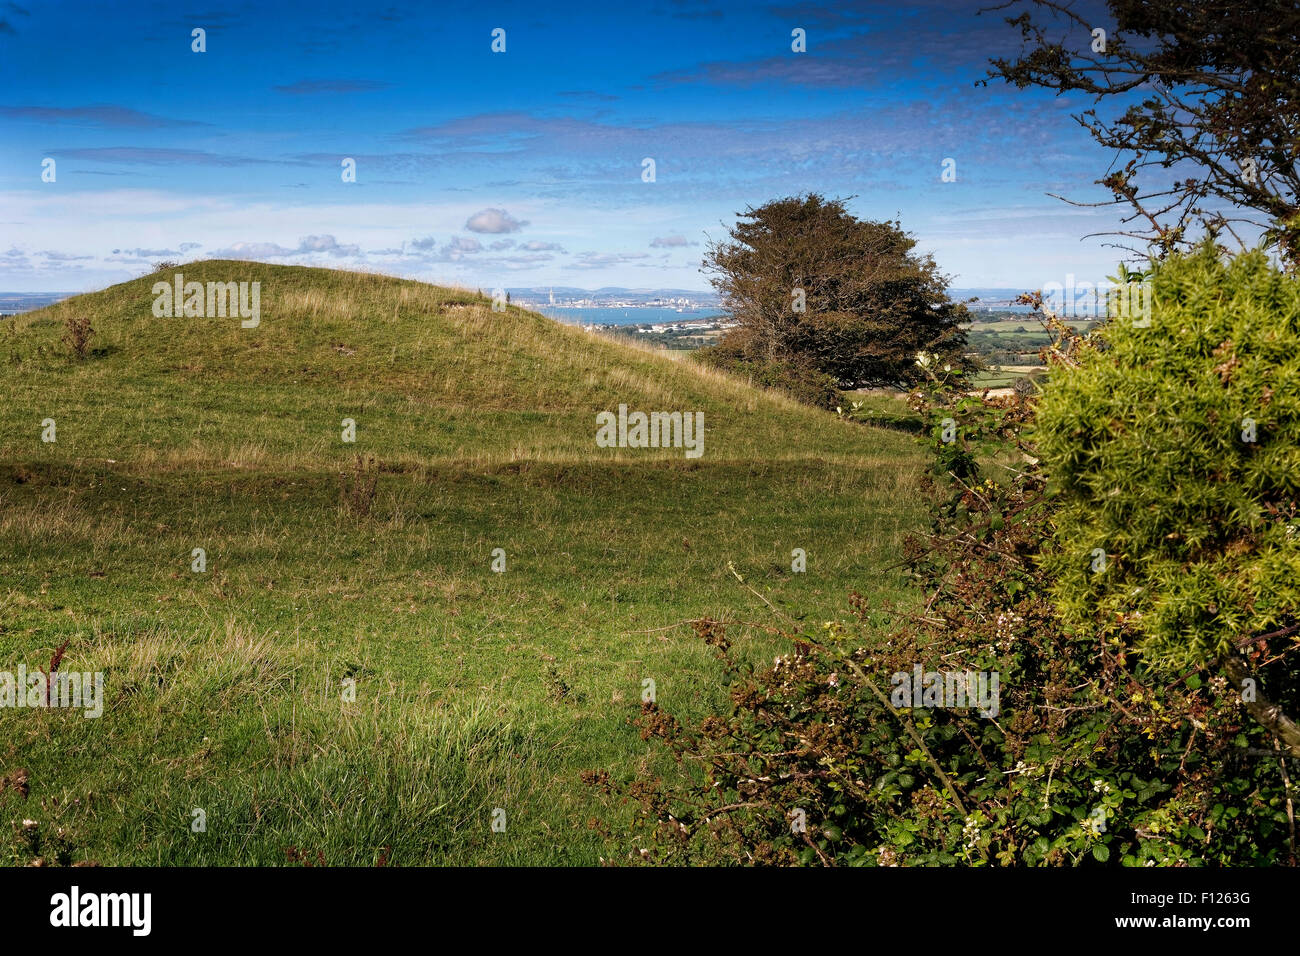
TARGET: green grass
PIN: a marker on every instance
(1027, 324)
(474, 690)
(995, 377)
(883, 409)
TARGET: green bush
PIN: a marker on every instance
(1175, 450)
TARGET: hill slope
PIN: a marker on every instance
(427, 373)
(339, 682)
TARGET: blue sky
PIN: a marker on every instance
(521, 168)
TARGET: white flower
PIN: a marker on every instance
(922, 360)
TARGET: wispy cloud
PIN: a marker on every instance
(108, 117)
(588, 95)
(306, 87)
(153, 156)
(603, 260)
(5, 26)
(180, 250)
(308, 245)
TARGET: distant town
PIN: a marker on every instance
(12, 303)
(680, 300)
(685, 302)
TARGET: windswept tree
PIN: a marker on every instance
(815, 289)
(1200, 100)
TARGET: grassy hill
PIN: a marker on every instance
(474, 690)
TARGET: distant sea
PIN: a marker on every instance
(625, 316)
(976, 308)
(658, 316)
(14, 302)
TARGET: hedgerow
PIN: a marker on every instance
(1104, 749)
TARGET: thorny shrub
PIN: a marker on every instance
(76, 335)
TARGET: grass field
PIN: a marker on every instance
(1008, 345)
(1028, 324)
(228, 691)
(1002, 376)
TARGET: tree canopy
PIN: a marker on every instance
(1206, 99)
(813, 286)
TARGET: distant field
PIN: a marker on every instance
(1002, 376)
(474, 690)
(1028, 324)
(1011, 348)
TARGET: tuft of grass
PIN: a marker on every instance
(357, 488)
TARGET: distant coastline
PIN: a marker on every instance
(633, 311)
(643, 315)
(11, 303)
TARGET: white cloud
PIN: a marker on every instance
(671, 242)
(494, 220)
(326, 244)
(308, 245)
(460, 246)
(139, 253)
(603, 260)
